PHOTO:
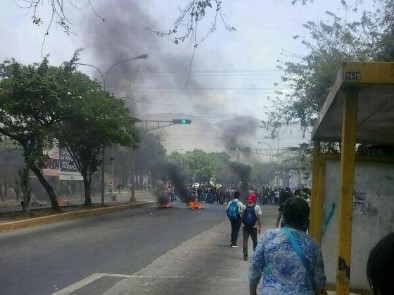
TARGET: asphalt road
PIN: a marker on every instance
(137, 251)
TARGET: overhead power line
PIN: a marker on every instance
(205, 89)
(260, 72)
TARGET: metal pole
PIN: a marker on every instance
(346, 182)
(102, 174)
(104, 79)
(132, 191)
(277, 134)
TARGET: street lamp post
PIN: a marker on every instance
(104, 80)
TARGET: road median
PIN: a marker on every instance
(6, 226)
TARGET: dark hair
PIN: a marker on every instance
(284, 194)
(296, 213)
(236, 195)
(380, 266)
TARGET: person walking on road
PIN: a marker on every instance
(251, 219)
(289, 260)
(233, 210)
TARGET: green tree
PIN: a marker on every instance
(220, 164)
(105, 120)
(199, 165)
(202, 166)
(29, 103)
(176, 158)
(39, 104)
(308, 79)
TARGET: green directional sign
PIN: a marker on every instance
(237, 148)
(181, 121)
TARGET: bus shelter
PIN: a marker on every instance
(352, 204)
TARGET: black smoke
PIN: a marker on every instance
(124, 35)
(242, 171)
(172, 173)
(239, 132)
(178, 180)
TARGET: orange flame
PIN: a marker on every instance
(165, 205)
(163, 202)
(193, 205)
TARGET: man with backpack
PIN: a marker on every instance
(233, 210)
(251, 219)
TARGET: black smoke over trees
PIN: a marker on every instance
(242, 171)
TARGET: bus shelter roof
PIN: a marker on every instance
(374, 83)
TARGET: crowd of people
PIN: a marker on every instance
(221, 194)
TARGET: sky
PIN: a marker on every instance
(222, 86)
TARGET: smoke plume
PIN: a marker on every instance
(243, 173)
(235, 129)
(124, 35)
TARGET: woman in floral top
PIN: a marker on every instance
(276, 260)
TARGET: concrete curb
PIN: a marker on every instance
(12, 225)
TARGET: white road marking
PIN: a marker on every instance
(78, 285)
(88, 280)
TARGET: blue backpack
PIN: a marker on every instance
(249, 217)
(232, 210)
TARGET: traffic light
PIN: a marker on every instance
(181, 121)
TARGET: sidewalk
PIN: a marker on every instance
(143, 198)
(124, 196)
(205, 264)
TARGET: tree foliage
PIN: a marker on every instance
(29, 104)
(187, 23)
(105, 120)
(190, 18)
(307, 80)
(200, 165)
(57, 14)
(40, 103)
(203, 167)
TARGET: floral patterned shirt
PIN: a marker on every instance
(282, 270)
